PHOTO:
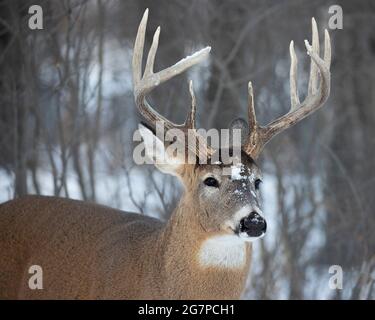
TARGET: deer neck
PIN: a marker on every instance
(190, 249)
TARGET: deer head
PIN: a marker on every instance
(225, 203)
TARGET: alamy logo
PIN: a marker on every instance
(336, 20)
(36, 280)
(335, 281)
(36, 20)
(173, 145)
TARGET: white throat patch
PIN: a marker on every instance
(226, 251)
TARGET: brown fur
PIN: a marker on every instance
(88, 251)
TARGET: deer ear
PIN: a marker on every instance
(157, 152)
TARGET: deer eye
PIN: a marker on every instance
(211, 182)
(257, 183)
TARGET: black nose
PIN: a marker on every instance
(254, 225)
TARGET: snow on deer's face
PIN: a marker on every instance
(229, 199)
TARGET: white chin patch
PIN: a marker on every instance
(246, 237)
(224, 251)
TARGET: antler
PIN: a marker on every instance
(316, 97)
(144, 84)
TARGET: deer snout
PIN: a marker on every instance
(254, 225)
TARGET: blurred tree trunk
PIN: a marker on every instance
(16, 104)
(350, 200)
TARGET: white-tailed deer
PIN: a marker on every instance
(88, 251)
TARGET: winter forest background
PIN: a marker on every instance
(67, 117)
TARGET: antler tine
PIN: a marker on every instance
(252, 144)
(149, 69)
(294, 97)
(138, 50)
(316, 97)
(190, 119)
(327, 49)
(183, 64)
(250, 106)
(314, 70)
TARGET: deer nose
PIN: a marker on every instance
(254, 225)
